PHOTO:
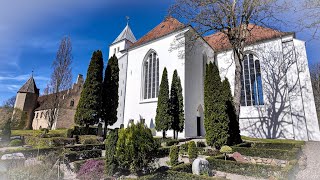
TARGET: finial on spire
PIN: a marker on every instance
(32, 73)
(128, 18)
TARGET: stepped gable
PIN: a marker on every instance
(29, 87)
(219, 41)
(166, 27)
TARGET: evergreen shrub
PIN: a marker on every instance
(174, 155)
(15, 142)
(192, 150)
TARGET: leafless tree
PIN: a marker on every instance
(309, 16)
(9, 103)
(230, 17)
(61, 79)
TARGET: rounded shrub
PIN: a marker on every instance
(225, 150)
(192, 150)
(15, 142)
(174, 155)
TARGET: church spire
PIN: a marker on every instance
(126, 34)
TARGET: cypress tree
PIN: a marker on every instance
(216, 119)
(234, 130)
(110, 97)
(111, 161)
(88, 109)
(163, 117)
(176, 105)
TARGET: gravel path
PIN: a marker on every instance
(312, 153)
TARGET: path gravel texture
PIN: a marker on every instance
(311, 151)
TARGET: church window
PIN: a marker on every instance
(114, 51)
(151, 76)
(41, 115)
(72, 103)
(118, 49)
(251, 81)
(37, 115)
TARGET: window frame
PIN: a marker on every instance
(150, 77)
(256, 95)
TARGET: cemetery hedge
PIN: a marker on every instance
(174, 175)
(187, 168)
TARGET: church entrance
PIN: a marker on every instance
(200, 122)
(198, 126)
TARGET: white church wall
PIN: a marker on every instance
(116, 48)
(122, 62)
(135, 107)
(197, 51)
(307, 91)
(283, 118)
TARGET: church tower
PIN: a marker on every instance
(122, 42)
(26, 101)
(119, 48)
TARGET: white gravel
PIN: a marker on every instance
(312, 172)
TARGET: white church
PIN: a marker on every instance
(277, 97)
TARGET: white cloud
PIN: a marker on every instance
(23, 77)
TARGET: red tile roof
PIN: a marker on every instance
(166, 27)
(219, 41)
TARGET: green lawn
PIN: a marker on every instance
(59, 132)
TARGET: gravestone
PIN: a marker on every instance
(200, 166)
(238, 157)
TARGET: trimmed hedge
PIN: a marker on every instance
(172, 142)
(282, 146)
(90, 139)
(86, 147)
(174, 155)
(187, 168)
(246, 169)
(48, 142)
(162, 152)
(15, 142)
(88, 154)
(268, 153)
(174, 175)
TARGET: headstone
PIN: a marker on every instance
(200, 166)
(238, 157)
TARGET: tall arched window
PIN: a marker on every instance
(251, 92)
(151, 76)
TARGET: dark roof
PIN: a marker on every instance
(29, 87)
(47, 101)
(220, 42)
(166, 27)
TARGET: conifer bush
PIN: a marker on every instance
(135, 148)
(111, 161)
(174, 155)
(6, 130)
(215, 118)
(192, 150)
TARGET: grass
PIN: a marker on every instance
(250, 139)
(60, 132)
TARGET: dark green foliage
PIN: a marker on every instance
(246, 169)
(110, 97)
(162, 152)
(86, 154)
(6, 130)
(111, 144)
(216, 120)
(163, 118)
(172, 142)
(282, 146)
(183, 148)
(88, 109)
(15, 142)
(176, 105)
(135, 148)
(268, 153)
(187, 168)
(201, 144)
(234, 129)
(192, 150)
(174, 155)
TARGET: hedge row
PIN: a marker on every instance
(87, 154)
(174, 175)
(86, 147)
(48, 142)
(162, 152)
(268, 153)
(283, 146)
(187, 168)
(246, 169)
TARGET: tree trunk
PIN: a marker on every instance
(163, 134)
(174, 134)
(237, 85)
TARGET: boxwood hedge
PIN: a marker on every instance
(174, 175)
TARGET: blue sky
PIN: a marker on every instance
(30, 33)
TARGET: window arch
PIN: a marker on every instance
(151, 76)
(251, 81)
(72, 103)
